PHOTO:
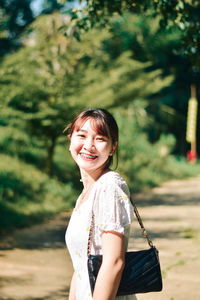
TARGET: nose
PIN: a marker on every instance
(89, 144)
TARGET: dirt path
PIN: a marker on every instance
(34, 263)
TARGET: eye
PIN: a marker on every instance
(81, 135)
(100, 138)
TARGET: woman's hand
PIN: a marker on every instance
(109, 276)
(72, 291)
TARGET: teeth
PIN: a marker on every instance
(87, 156)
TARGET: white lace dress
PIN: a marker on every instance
(113, 212)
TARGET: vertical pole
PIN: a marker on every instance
(193, 95)
(193, 91)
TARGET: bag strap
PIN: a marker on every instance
(144, 232)
(90, 235)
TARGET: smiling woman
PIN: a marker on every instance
(89, 149)
(103, 128)
(93, 141)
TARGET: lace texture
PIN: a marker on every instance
(112, 208)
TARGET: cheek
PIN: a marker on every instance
(106, 150)
(74, 146)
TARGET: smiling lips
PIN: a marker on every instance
(88, 156)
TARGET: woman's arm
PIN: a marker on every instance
(72, 291)
(109, 276)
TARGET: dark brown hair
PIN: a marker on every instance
(102, 122)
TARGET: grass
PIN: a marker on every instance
(189, 233)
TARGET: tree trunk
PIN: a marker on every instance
(50, 154)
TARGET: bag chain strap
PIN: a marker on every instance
(144, 232)
(90, 235)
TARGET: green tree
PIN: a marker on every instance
(145, 39)
(121, 82)
(37, 82)
(178, 13)
(51, 78)
(141, 162)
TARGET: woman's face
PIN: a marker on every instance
(89, 149)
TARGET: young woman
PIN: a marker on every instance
(93, 142)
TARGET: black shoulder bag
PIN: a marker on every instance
(141, 273)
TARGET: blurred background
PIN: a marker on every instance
(141, 66)
(133, 67)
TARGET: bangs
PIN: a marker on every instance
(97, 124)
(102, 122)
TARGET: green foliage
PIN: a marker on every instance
(50, 79)
(178, 167)
(184, 14)
(189, 233)
(180, 14)
(123, 81)
(27, 194)
(142, 36)
(143, 164)
(41, 81)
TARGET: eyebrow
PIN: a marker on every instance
(82, 130)
(85, 131)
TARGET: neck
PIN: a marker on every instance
(89, 179)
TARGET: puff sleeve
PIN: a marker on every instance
(112, 207)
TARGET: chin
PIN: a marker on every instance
(91, 167)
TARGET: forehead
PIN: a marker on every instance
(87, 126)
(92, 124)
